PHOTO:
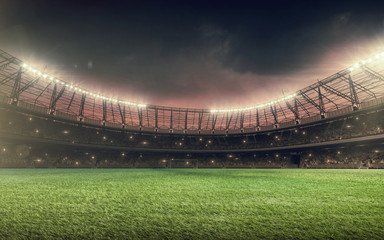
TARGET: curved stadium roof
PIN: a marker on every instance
(343, 91)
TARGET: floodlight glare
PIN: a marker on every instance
(253, 107)
(71, 86)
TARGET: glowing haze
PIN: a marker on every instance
(215, 55)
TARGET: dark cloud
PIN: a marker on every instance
(190, 53)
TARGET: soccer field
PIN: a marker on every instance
(191, 203)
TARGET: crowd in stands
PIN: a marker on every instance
(23, 124)
(38, 155)
(362, 157)
(369, 123)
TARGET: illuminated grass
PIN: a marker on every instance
(191, 203)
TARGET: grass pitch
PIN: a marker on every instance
(191, 204)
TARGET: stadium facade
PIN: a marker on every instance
(334, 123)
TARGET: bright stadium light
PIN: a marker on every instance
(365, 61)
(254, 107)
(72, 86)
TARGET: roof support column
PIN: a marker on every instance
(355, 99)
(104, 111)
(16, 88)
(321, 104)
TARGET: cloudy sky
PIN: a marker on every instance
(192, 53)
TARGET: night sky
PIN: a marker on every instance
(192, 54)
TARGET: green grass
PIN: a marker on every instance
(191, 204)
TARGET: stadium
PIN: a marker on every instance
(333, 123)
(124, 120)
